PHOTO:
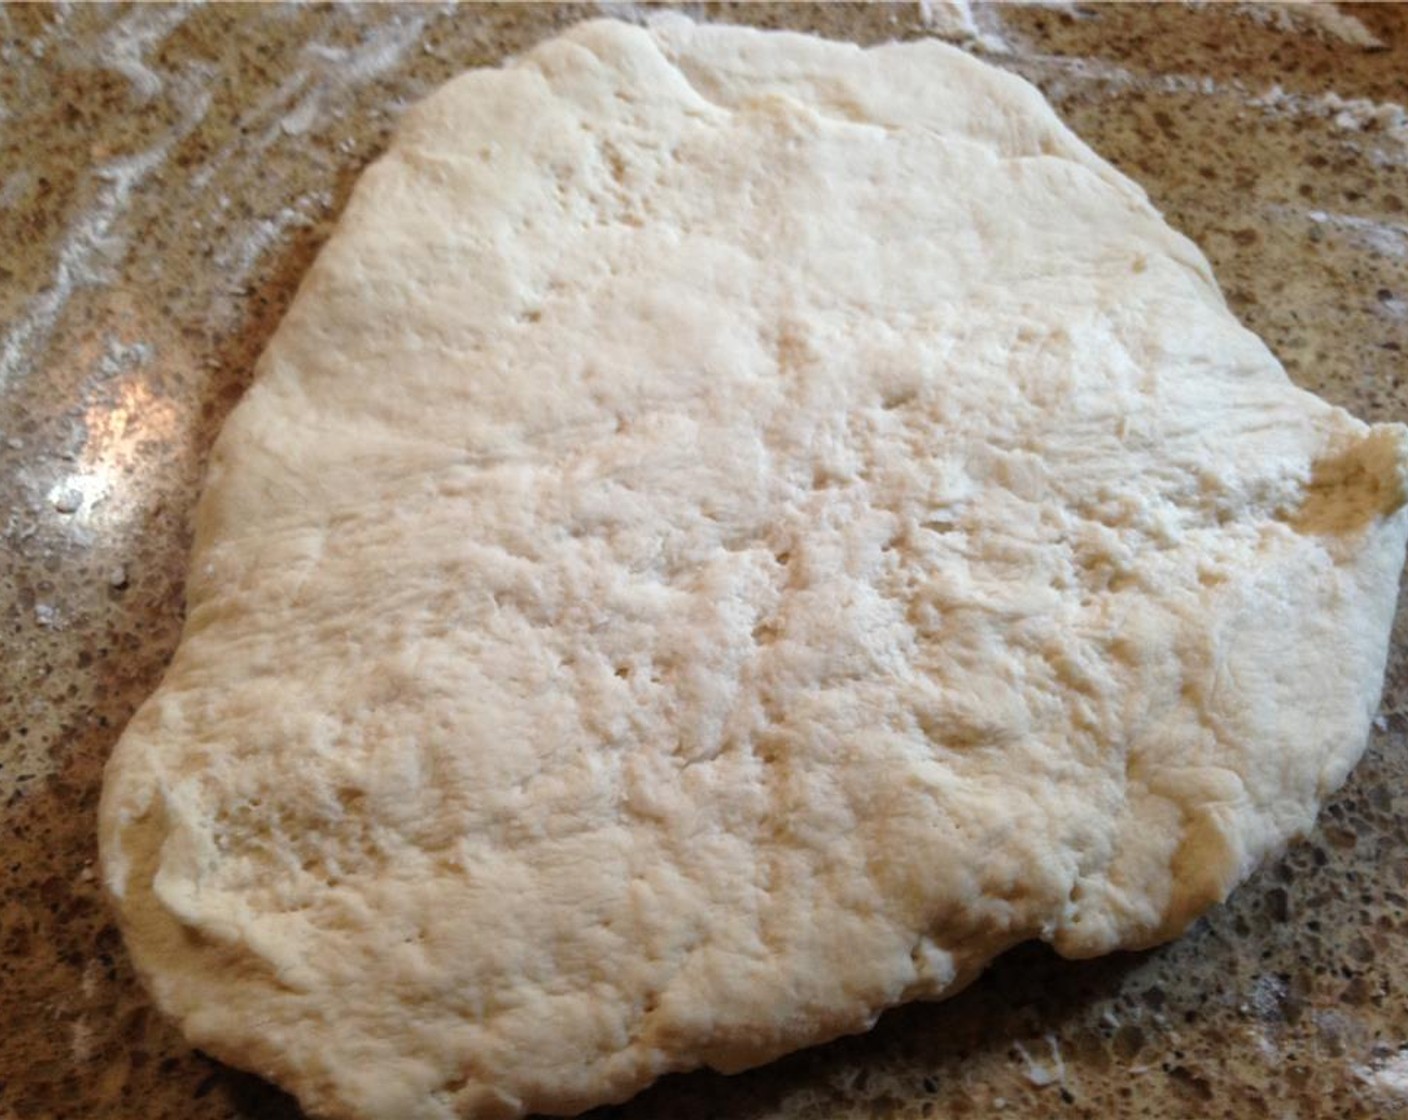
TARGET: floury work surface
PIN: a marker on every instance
(168, 174)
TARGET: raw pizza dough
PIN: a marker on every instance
(735, 531)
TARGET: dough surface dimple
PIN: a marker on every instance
(734, 532)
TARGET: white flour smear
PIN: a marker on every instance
(320, 85)
(92, 248)
(334, 70)
(1388, 238)
(237, 258)
(1390, 1079)
(124, 48)
(322, 78)
(1316, 17)
(1113, 78)
(261, 110)
(1345, 114)
(1332, 23)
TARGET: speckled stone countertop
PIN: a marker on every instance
(166, 174)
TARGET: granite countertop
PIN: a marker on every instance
(166, 175)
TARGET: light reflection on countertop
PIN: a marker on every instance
(167, 173)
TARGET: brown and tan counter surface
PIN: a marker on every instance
(166, 174)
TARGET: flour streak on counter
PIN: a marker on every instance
(1377, 236)
(238, 256)
(1110, 78)
(1356, 114)
(326, 71)
(314, 94)
(1390, 1079)
(124, 49)
(1314, 16)
(94, 246)
(275, 102)
(1382, 126)
(333, 70)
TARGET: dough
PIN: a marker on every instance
(735, 531)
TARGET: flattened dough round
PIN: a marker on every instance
(735, 531)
